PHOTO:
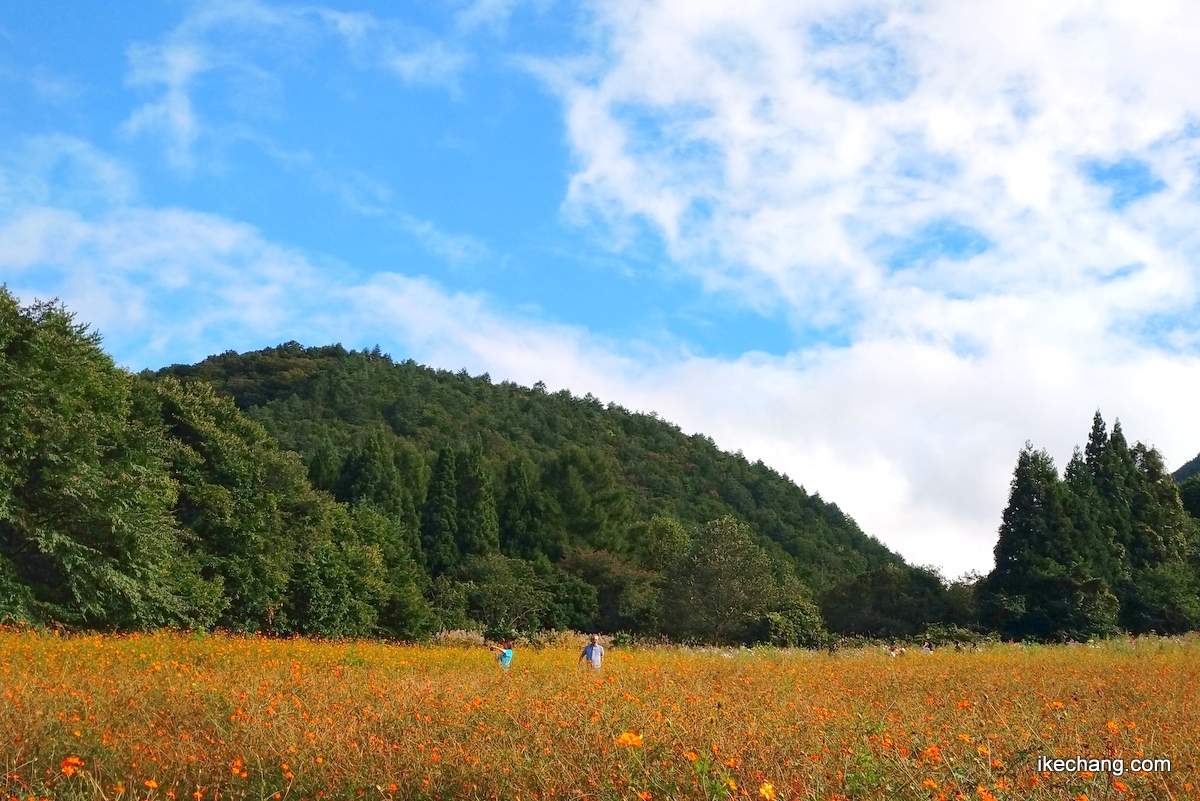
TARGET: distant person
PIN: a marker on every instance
(504, 653)
(593, 652)
(927, 647)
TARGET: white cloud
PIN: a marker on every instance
(818, 157)
(247, 39)
(494, 13)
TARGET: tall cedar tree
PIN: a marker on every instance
(1111, 545)
(1041, 587)
(372, 474)
(439, 523)
(521, 515)
(478, 530)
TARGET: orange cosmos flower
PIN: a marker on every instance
(767, 791)
(153, 785)
(71, 764)
(630, 739)
(690, 756)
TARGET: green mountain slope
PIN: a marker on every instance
(1188, 470)
(596, 474)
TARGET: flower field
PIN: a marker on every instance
(206, 717)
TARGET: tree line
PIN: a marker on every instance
(326, 492)
(134, 502)
(1112, 545)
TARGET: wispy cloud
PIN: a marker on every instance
(248, 38)
(493, 13)
(454, 248)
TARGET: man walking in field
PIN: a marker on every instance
(593, 652)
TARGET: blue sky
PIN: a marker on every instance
(455, 172)
(877, 245)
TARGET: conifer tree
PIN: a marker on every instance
(1041, 586)
(1162, 593)
(478, 525)
(521, 515)
(439, 521)
(1097, 442)
(325, 467)
(1093, 543)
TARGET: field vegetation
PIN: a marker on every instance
(184, 716)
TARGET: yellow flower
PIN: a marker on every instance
(767, 791)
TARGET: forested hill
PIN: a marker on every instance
(1188, 470)
(564, 472)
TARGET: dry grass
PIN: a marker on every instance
(183, 717)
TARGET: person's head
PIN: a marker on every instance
(593, 639)
(508, 644)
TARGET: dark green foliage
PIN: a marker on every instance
(962, 601)
(86, 532)
(1041, 587)
(524, 527)
(591, 473)
(439, 523)
(628, 598)
(478, 529)
(794, 620)
(325, 467)
(336, 588)
(1111, 545)
(132, 503)
(725, 590)
(402, 610)
(661, 542)
(1190, 468)
(503, 593)
(232, 479)
(893, 601)
(572, 603)
(1189, 495)
(597, 499)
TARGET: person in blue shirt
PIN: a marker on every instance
(504, 653)
(593, 652)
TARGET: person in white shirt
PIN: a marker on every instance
(593, 652)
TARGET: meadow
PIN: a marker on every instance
(182, 716)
